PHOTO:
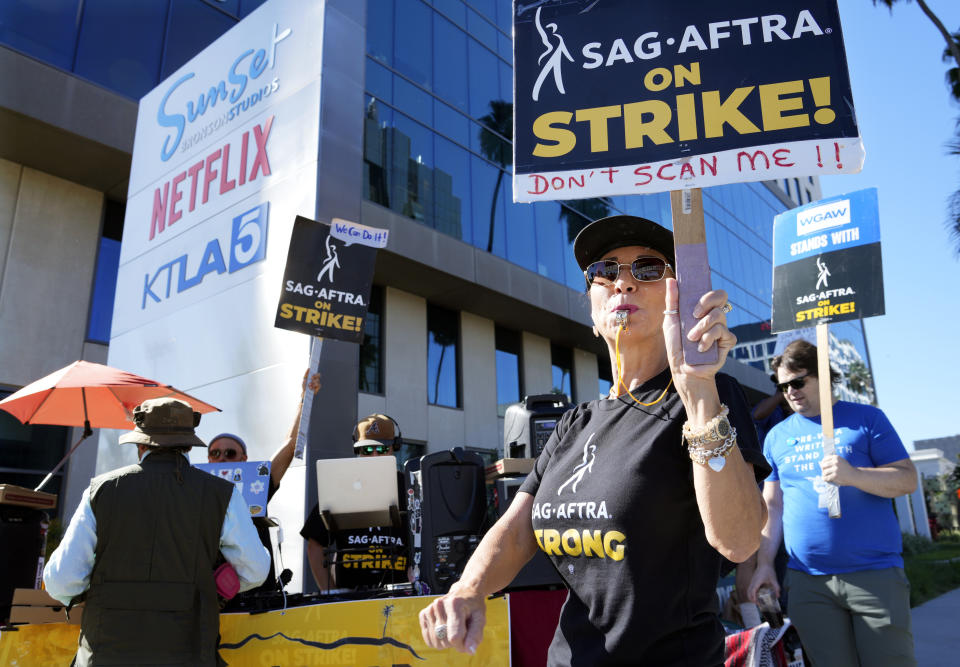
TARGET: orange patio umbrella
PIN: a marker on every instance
(92, 396)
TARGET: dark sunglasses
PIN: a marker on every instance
(369, 450)
(795, 383)
(644, 269)
(228, 454)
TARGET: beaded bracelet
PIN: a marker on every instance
(715, 458)
(715, 430)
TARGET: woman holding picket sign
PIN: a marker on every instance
(637, 495)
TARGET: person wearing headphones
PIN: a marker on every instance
(363, 558)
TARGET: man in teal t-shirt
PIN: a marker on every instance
(849, 596)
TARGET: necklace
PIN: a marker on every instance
(620, 382)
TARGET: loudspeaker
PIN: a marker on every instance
(446, 499)
(527, 425)
(539, 572)
(22, 534)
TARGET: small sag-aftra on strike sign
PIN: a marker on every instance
(327, 279)
(640, 96)
(826, 262)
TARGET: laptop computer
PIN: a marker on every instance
(358, 492)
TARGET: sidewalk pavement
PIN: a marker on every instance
(935, 631)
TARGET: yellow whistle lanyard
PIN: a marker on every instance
(620, 382)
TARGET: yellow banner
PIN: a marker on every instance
(372, 633)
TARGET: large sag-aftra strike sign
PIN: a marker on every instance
(640, 96)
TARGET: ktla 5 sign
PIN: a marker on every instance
(247, 244)
(630, 96)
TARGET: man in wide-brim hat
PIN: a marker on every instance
(140, 550)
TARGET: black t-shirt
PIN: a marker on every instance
(616, 512)
(364, 557)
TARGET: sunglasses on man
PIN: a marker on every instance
(370, 450)
(226, 454)
(795, 383)
(644, 269)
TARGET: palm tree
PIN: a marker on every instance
(579, 213)
(444, 339)
(859, 379)
(387, 610)
(950, 52)
(495, 139)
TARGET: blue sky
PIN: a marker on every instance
(906, 117)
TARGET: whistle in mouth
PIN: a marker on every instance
(621, 319)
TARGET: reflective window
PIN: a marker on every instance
(461, 75)
(550, 242)
(376, 134)
(247, 6)
(443, 356)
(486, 7)
(44, 29)
(489, 193)
(371, 349)
(379, 82)
(605, 376)
(29, 452)
(412, 101)
(120, 44)
(449, 56)
(485, 86)
(411, 176)
(192, 27)
(454, 10)
(412, 52)
(452, 188)
(482, 29)
(105, 274)
(509, 387)
(380, 30)
(561, 368)
(451, 123)
(521, 232)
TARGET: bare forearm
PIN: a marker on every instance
(321, 572)
(503, 551)
(730, 506)
(283, 457)
(885, 482)
(771, 536)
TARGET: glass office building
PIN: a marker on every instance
(436, 167)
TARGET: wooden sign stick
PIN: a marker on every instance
(831, 498)
(316, 347)
(692, 267)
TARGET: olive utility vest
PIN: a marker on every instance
(152, 598)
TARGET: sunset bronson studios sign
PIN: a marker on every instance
(641, 96)
(222, 160)
(225, 157)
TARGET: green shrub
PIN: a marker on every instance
(949, 536)
(916, 544)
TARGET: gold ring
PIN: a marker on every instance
(726, 308)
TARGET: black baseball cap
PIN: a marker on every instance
(616, 231)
